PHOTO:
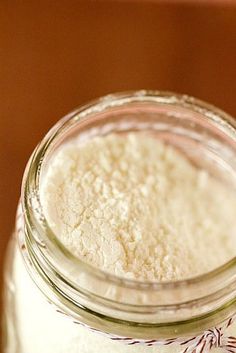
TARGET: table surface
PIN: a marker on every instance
(53, 57)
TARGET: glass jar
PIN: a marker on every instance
(55, 303)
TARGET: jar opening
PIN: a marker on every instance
(197, 127)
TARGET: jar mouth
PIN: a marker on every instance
(48, 251)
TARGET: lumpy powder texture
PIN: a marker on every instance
(137, 208)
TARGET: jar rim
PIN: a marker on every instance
(36, 222)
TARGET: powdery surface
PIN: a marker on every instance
(137, 208)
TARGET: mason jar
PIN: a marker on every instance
(56, 303)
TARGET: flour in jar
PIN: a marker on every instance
(137, 208)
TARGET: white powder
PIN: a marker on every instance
(134, 207)
(137, 208)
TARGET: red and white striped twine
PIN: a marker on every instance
(215, 337)
(212, 338)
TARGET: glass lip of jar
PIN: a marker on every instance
(30, 186)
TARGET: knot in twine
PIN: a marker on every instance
(212, 338)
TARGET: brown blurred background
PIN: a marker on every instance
(55, 55)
